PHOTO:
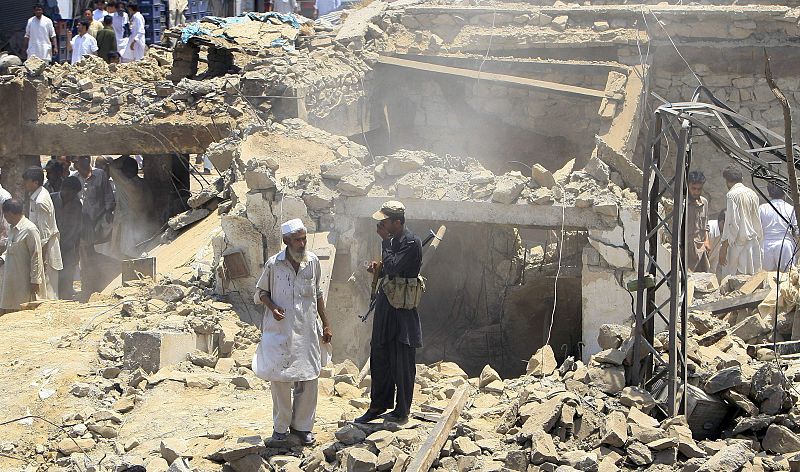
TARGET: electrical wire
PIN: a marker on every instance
(699, 81)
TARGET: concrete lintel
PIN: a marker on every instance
(117, 138)
(481, 212)
(572, 90)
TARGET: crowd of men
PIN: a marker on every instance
(113, 31)
(51, 233)
(746, 237)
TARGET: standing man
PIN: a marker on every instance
(740, 252)
(120, 19)
(697, 224)
(289, 354)
(43, 215)
(396, 329)
(778, 236)
(68, 209)
(22, 260)
(285, 6)
(84, 44)
(40, 36)
(106, 39)
(136, 47)
(99, 10)
(323, 7)
(97, 199)
(54, 171)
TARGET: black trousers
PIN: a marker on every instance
(393, 368)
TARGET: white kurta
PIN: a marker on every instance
(284, 6)
(40, 33)
(43, 215)
(84, 45)
(742, 231)
(22, 264)
(326, 6)
(289, 350)
(778, 239)
(98, 14)
(137, 36)
(120, 19)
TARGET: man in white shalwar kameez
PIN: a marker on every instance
(740, 252)
(22, 259)
(136, 47)
(43, 215)
(778, 237)
(40, 35)
(289, 355)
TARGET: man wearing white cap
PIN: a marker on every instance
(289, 355)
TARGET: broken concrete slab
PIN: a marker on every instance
(542, 362)
(153, 350)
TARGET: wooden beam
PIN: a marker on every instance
(496, 78)
(755, 282)
(429, 450)
(727, 305)
(784, 348)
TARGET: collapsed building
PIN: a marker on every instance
(520, 127)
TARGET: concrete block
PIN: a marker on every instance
(152, 350)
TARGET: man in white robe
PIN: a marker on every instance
(778, 236)
(40, 35)
(22, 259)
(43, 215)
(136, 47)
(119, 20)
(740, 252)
(289, 355)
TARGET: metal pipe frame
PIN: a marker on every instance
(662, 281)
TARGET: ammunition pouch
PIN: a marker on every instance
(404, 293)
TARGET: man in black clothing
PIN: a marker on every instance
(396, 332)
(68, 210)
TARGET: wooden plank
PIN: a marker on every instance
(429, 450)
(727, 305)
(784, 348)
(496, 78)
(755, 282)
(363, 374)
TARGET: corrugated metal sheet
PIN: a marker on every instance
(15, 14)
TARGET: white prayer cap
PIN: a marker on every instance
(292, 226)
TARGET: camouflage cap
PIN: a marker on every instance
(390, 209)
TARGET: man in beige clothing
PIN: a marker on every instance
(22, 259)
(740, 252)
(43, 215)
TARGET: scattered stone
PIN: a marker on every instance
(542, 176)
(488, 375)
(615, 430)
(68, 446)
(360, 460)
(729, 458)
(609, 379)
(780, 440)
(640, 398)
(173, 448)
(639, 454)
(349, 435)
(466, 446)
(202, 359)
(611, 336)
(542, 362)
(723, 380)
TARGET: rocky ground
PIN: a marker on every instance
(93, 405)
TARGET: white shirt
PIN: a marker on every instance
(742, 221)
(39, 33)
(84, 45)
(118, 23)
(98, 15)
(43, 215)
(284, 6)
(289, 350)
(775, 228)
(326, 6)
